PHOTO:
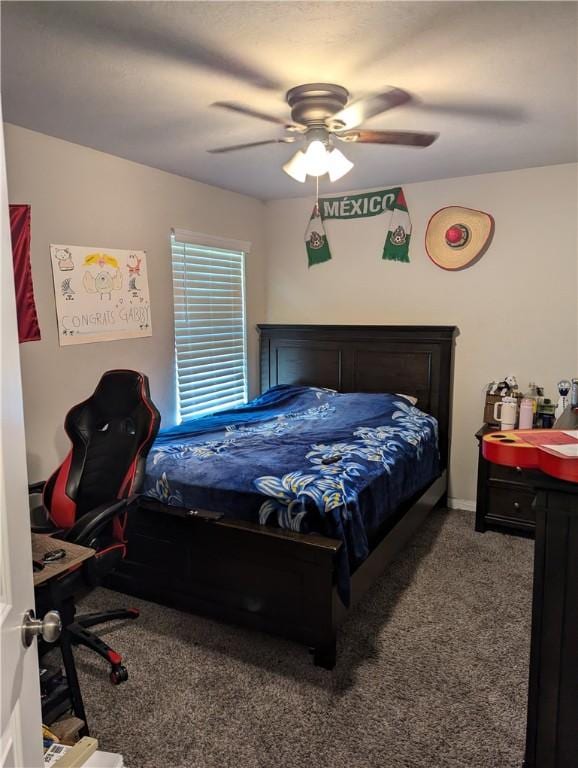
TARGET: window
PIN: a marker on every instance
(210, 343)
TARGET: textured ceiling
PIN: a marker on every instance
(498, 80)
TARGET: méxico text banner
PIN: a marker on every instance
(389, 203)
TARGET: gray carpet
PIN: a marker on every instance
(432, 672)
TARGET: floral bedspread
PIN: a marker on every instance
(301, 458)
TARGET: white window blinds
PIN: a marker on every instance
(210, 344)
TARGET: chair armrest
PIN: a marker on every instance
(48, 529)
(40, 521)
(92, 522)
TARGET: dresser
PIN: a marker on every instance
(504, 495)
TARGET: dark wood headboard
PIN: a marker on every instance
(411, 359)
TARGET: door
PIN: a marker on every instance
(20, 718)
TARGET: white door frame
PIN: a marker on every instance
(20, 715)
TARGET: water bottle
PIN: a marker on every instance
(532, 394)
(574, 395)
(526, 413)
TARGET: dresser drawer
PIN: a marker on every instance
(509, 474)
(511, 505)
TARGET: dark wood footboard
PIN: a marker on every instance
(264, 578)
(254, 575)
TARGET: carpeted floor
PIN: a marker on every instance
(432, 673)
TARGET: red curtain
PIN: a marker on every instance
(28, 328)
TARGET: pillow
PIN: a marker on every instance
(411, 398)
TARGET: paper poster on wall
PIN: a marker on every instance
(101, 294)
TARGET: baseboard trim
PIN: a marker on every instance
(469, 506)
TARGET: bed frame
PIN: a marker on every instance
(275, 580)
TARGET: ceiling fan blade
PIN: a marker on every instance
(360, 111)
(498, 113)
(243, 110)
(135, 28)
(235, 147)
(403, 138)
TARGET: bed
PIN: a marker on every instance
(281, 514)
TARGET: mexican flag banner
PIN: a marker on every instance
(396, 246)
(388, 203)
(316, 239)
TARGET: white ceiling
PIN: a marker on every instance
(498, 80)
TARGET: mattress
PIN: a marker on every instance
(301, 458)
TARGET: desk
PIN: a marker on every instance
(552, 731)
(75, 554)
(53, 589)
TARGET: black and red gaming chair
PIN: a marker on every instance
(86, 498)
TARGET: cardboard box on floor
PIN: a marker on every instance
(67, 729)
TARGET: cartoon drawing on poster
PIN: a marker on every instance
(103, 297)
(64, 259)
(66, 289)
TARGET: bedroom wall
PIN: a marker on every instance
(84, 197)
(516, 308)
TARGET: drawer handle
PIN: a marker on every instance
(516, 505)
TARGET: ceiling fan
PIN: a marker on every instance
(322, 117)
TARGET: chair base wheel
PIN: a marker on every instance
(325, 655)
(118, 675)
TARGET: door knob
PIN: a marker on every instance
(49, 627)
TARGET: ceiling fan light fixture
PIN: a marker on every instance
(296, 166)
(316, 157)
(337, 164)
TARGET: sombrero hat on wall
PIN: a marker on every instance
(456, 237)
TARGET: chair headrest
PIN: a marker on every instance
(119, 392)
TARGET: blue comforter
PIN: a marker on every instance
(301, 458)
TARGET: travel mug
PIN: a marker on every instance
(507, 413)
